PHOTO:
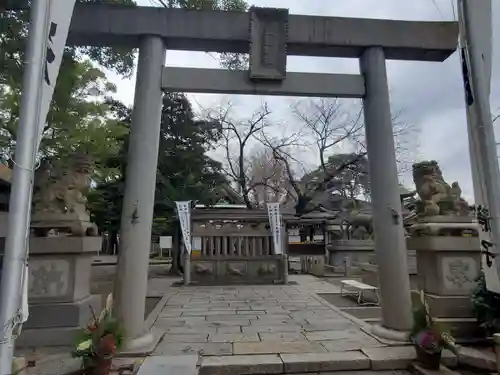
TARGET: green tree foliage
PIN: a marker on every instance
(342, 175)
(486, 307)
(232, 61)
(184, 172)
(78, 118)
(105, 198)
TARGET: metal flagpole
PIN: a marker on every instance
(484, 159)
(21, 188)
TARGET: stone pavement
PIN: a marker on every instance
(276, 319)
(268, 329)
(241, 330)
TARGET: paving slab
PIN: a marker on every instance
(190, 330)
(242, 365)
(269, 347)
(234, 337)
(320, 362)
(185, 338)
(283, 336)
(256, 320)
(334, 335)
(171, 365)
(204, 349)
(270, 328)
(400, 357)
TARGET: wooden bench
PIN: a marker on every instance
(359, 288)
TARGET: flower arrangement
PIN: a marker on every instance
(98, 343)
(429, 337)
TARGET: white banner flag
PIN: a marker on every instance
(184, 213)
(273, 210)
(61, 12)
(476, 28)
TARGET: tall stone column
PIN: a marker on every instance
(138, 200)
(390, 246)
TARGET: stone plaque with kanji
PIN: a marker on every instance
(268, 42)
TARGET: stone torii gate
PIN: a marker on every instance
(269, 35)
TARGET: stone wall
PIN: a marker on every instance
(352, 253)
(369, 271)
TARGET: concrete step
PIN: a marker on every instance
(480, 359)
(419, 370)
(364, 361)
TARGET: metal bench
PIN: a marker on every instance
(359, 288)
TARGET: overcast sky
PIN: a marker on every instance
(431, 94)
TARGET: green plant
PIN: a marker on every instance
(427, 334)
(100, 340)
(486, 307)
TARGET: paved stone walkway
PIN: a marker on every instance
(240, 320)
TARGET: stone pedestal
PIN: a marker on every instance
(448, 263)
(351, 253)
(59, 289)
(315, 265)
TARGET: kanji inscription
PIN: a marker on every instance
(268, 39)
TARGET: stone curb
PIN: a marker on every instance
(399, 358)
(374, 359)
(344, 314)
(363, 325)
(477, 359)
(419, 370)
(284, 363)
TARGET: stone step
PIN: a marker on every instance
(351, 362)
(419, 370)
(480, 359)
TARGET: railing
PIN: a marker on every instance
(229, 246)
(232, 239)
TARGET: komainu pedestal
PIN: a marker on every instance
(60, 255)
(446, 241)
(59, 289)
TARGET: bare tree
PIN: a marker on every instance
(333, 128)
(267, 176)
(238, 134)
(328, 123)
(272, 175)
(333, 125)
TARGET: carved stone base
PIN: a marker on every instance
(60, 268)
(46, 337)
(448, 263)
(59, 289)
(447, 266)
(64, 318)
(455, 307)
(265, 270)
(74, 314)
(71, 223)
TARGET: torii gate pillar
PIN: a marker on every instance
(138, 200)
(390, 245)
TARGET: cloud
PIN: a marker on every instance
(431, 94)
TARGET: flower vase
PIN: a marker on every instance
(429, 361)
